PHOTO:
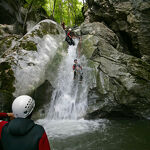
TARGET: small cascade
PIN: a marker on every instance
(69, 100)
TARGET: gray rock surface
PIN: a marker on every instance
(122, 81)
(130, 19)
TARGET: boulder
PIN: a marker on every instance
(26, 66)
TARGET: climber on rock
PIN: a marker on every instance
(77, 68)
(21, 132)
(69, 38)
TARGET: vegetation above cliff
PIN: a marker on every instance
(69, 11)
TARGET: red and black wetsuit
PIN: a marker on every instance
(75, 66)
(69, 34)
(22, 134)
(77, 71)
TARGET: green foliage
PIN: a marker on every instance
(68, 11)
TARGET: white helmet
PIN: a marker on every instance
(69, 29)
(23, 106)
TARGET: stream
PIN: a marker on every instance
(66, 128)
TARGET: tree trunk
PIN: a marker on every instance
(54, 8)
(26, 16)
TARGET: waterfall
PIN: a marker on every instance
(69, 100)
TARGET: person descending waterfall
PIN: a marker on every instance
(22, 133)
(69, 38)
(77, 68)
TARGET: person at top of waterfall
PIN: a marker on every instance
(69, 37)
(21, 133)
(63, 25)
(77, 68)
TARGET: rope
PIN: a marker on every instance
(79, 46)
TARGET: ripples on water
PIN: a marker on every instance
(98, 135)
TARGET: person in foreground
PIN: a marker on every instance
(21, 133)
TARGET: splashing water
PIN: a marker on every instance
(69, 100)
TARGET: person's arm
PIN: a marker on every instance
(44, 143)
(3, 115)
(2, 123)
(73, 67)
(80, 67)
(69, 34)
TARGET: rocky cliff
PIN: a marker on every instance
(116, 41)
(129, 19)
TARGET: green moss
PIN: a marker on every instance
(1, 33)
(28, 45)
(6, 99)
(49, 28)
(5, 42)
(9, 42)
(6, 77)
(38, 32)
(87, 47)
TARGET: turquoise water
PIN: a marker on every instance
(118, 134)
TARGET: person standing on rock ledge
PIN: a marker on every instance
(21, 133)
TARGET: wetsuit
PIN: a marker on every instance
(77, 71)
(69, 39)
(22, 134)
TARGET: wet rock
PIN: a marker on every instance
(29, 60)
(130, 19)
(8, 38)
(42, 95)
(10, 12)
(122, 81)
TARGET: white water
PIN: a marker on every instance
(69, 100)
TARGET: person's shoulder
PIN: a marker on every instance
(39, 128)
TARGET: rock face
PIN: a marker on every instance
(8, 38)
(42, 95)
(10, 12)
(129, 19)
(122, 81)
(14, 13)
(24, 67)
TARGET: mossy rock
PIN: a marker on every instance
(6, 86)
(6, 77)
(6, 42)
(28, 45)
(6, 99)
